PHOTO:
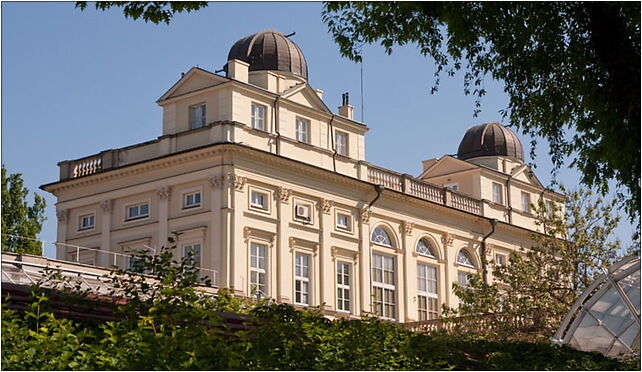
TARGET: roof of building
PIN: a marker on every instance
(490, 139)
(270, 50)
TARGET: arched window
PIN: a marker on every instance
(380, 236)
(463, 258)
(425, 248)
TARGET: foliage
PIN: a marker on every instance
(538, 286)
(18, 217)
(151, 11)
(167, 323)
(571, 70)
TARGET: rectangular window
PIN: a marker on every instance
(526, 202)
(344, 221)
(258, 116)
(86, 221)
(498, 193)
(463, 278)
(302, 279)
(137, 211)
(192, 200)
(343, 286)
(196, 116)
(383, 285)
(302, 130)
(341, 143)
(195, 251)
(500, 259)
(427, 292)
(258, 274)
(452, 186)
(136, 265)
(550, 208)
(258, 200)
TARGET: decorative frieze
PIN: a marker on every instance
(106, 205)
(284, 194)
(163, 192)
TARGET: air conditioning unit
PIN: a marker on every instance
(303, 212)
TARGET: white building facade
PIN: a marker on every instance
(271, 191)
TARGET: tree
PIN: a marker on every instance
(151, 11)
(18, 217)
(571, 70)
(540, 284)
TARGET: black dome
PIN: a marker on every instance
(490, 139)
(270, 50)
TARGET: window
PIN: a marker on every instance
(302, 212)
(383, 285)
(258, 116)
(464, 259)
(86, 221)
(344, 221)
(341, 143)
(302, 279)
(196, 116)
(550, 208)
(425, 248)
(381, 237)
(258, 200)
(258, 277)
(463, 278)
(526, 202)
(452, 186)
(193, 250)
(302, 130)
(192, 200)
(500, 259)
(498, 194)
(343, 286)
(136, 265)
(137, 211)
(427, 292)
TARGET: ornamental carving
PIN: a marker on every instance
(326, 205)
(291, 242)
(407, 227)
(236, 181)
(106, 205)
(163, 192)
(365, 215)
(216, 181)
(489, 250)
(447, 239)
(62, 214)
(284, 194)
(246, 233)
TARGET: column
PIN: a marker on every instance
(163, 215)
(61, 234)
(326, 267)
(283, 283)
(237, 250)
(215, 256)
(105, 259)
(409, 271)
(364, 261)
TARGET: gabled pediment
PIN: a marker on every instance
(194, 80)
(305, 95)
(524, 174)
(447, 165)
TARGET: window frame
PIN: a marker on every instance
(388, 235)
(344, 150)
(342, 287)
(504, 258)
(138, 204)
(253, 120)
(307, 126)
(186, 194)
(203, 116)
(468, 256)
(498, 193)
(385, 288)
(263, 208)
(526, 207)
(452, 186)
(264, 271)
(348, 227)
(430, 312)
(301, 279)
(81, 217)
(433, 254)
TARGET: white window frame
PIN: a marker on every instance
(526, 202)
(498, 193)
(385, 288)
(303, 204)
(189, 193)
(81, 218)
(300, 278)
(341, 147)
(343, 287)
(198, 264)
(302, 127)
(349, 223)
(550, 208)
(453, 186)
(388, 235)
(468, 256)
(464, 283)
(255, 121)
(429, 246)
(260, 271)
(201, 121)
(138, 204)
(426, 293)
(265, 207)
(502, 257)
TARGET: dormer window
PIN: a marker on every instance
(302, 130)
(258, 116)
(341, 143)
(197, 116)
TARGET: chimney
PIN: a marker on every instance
(238, 70)
(346, 109)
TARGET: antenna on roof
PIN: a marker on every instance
(292, 34)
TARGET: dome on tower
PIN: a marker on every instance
(270, 50)
(490, 139)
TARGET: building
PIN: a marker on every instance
(270, 190)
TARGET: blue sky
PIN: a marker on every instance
(76, 83)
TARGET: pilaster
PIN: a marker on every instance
(63, 217)
(364, 261)
(105, 259)
(163, 214)
(282, 254)
(326, 277)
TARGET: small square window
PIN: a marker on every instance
(302, 212)
(197, 116)
(258, 116)
(258, 200)
(341, 143)
(452, 186)
(302, 130)
(192, 200)
(137, 211)
(498, 193)
(86, 221)
(500, 259)
(344, 221)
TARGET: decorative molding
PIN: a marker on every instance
(246, 233)
(447, 239)
(489, 249)
(326, 205)
(106, 205)
(284, 194)
(365, 215)
(236, 181)
(164, 192)
(216, 181)
(291, 242)
(62, 214)
(407, 227)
